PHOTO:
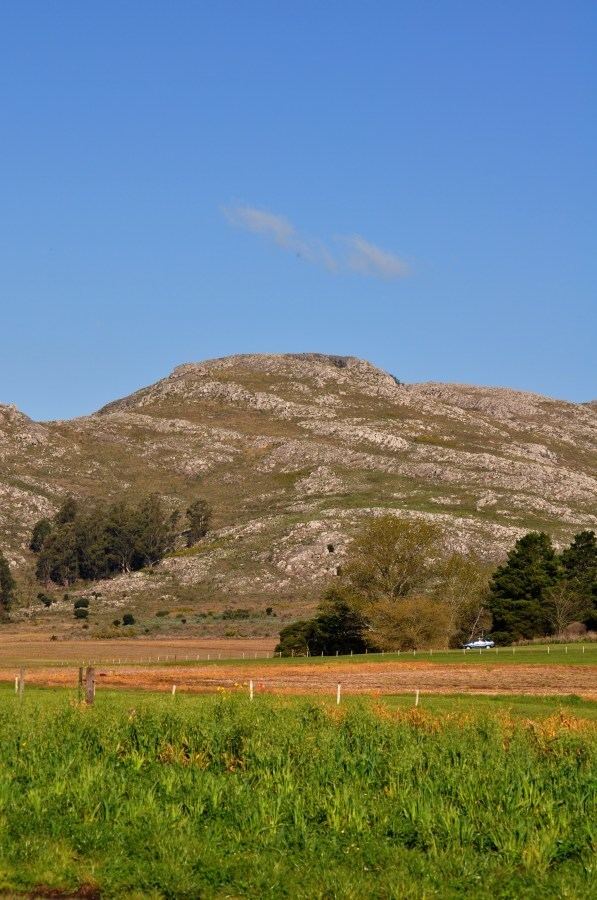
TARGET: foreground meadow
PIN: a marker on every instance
(187, 797)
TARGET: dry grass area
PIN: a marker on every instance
(33, 648)
(382, 678)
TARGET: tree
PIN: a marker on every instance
(120, 530)
(579, 563)
(40, 532)
(7, 586)
(67, 512)
(199, 517)
(463, 585)
(517, 597)
(415, 623)
(566, 605)
(295, 638)
(337, 627)
(391, 557)
(58, 560)
(152, 530)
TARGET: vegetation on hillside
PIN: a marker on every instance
(91, 542)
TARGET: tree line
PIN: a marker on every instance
(398, 591)
(90, 542)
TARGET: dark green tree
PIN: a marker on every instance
(519, 588)
(152, 530)
(40, 532)
(120, 531)
(58, 560)
(296, 638)
(100, 540)
(199, 517)
(67, 511)
(7, 587)
(336, 627)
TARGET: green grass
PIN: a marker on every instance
(535, 654)
(189, 797)
(515, 705)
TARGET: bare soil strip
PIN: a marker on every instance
(372, 678)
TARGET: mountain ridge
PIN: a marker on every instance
(292, 450)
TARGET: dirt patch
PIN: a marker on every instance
(384, 678)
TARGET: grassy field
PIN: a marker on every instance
(32, 652)
(150, 797)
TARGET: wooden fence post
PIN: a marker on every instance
(90, 686)
(21, 683)
(80, 691)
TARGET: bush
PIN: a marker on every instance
(45, 599)
(128, 619)
(162, 612)
(81, 613)
(236, 614)
(336, 628)
(414, 623)
(116, 623)
(81, 603)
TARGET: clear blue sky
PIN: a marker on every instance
(410, 182)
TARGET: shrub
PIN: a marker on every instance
(116, 623)
(336, 628)
(45, 599)
(81, 613)
(410, 624)
(81, 603)
(236, 614)
(128, 619)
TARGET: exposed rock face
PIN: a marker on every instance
(293, 450)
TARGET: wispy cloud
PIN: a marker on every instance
(282, 232)
(369, 259)
(351, 254)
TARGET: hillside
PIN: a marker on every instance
(292, 450)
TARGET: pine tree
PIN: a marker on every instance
(518, 593)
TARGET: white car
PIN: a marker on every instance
(480, 644)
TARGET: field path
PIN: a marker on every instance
(386, 678)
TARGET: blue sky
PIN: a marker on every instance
(410, 182)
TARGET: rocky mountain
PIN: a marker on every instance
(293, 450)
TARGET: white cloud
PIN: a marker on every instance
(282, 232)
(369, 259)
(361, 256)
